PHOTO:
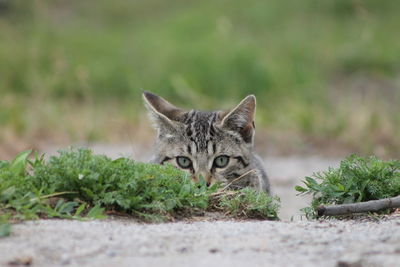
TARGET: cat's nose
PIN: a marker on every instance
(207, 177)
(209, 180)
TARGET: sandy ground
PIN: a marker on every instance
(219, 243)
(294, 241)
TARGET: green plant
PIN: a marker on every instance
(249, 203)
(357, 179)
(78, 184)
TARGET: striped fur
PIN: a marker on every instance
(203, 136)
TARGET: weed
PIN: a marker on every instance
(357, 179)
(248, 203)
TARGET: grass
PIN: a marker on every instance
(248, 203)
(323, 69)
(357, 179)
(77, 184)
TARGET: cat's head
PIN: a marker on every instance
(216, 145)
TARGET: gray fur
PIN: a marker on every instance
(202, 136)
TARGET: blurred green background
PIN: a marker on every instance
(326, 73)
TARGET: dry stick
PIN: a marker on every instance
(237, 179)
(234, 180)
(53, 195)
(373, 205)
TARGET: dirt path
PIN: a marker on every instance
(220, 243)
(212, 243)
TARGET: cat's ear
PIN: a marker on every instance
(164, 114)
(241, 118)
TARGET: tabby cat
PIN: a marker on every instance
(217, 145)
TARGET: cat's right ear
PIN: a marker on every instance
(165, 115)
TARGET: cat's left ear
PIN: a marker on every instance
(241, 118)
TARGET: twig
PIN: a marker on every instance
(224, 193)
(53, 195)
(373, 205)
(231, 182)
(237, 179)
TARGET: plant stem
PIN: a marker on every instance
(237, 179)
(53, 195)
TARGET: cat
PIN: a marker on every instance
(216, 145)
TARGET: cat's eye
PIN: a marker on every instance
(221, 161)
(184, 162)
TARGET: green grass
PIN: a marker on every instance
(357, 179)
(248, 203)
(77, 184)
(305, 61)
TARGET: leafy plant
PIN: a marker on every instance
(249, 203)
(357, 179)
(77, 184)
